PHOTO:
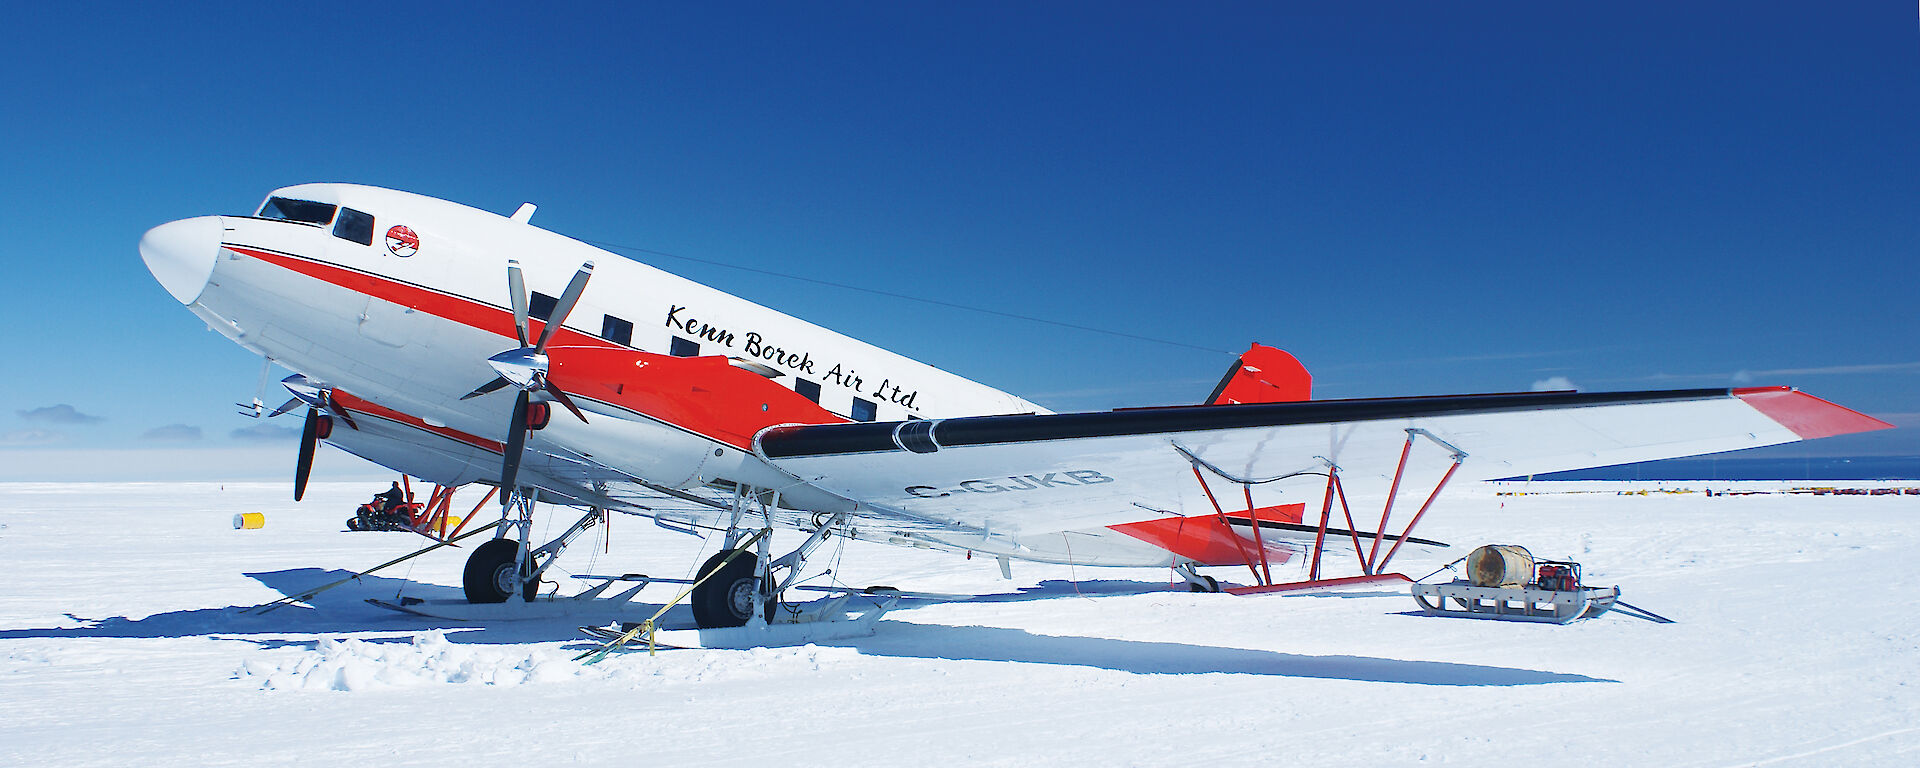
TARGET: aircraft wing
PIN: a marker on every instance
(1030, 474)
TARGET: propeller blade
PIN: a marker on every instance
(516, 442)
(487, 388)
(565, 306)
(290, 404)
(517, 287)
(564, 400)
(340, 411)
(309, 439)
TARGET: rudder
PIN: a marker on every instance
(1263, 374)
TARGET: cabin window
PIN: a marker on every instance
(354, 225)
(684, 348)
(303, 211)
(541, 306)
(864, 410)
(617, 331)
(807, 389)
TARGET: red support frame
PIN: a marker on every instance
(476, 510)
(430, 519)
(1221, 515)
(1266, 569)
(1334, 489)
(1353, 530)
(423, 515)
(1320, 539)
(1372, 564)
(436, 518)
(1423, 511)
(1392, 492)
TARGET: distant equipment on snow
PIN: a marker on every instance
(1505, 582)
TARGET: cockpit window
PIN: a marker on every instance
(305, 211)
(354, 225)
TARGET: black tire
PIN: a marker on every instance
(726, 598)
(488, 571)
(1210, 585)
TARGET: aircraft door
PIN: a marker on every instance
(385, 322)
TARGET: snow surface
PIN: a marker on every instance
(1797, 644)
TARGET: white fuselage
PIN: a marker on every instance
(408, 320)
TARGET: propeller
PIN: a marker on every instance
(309, 440)
(321, 411)
(516, 445)
(525, 368)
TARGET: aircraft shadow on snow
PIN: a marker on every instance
(343, 610)
(929, 641)
(339, 611)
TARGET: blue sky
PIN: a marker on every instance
(1413, 198)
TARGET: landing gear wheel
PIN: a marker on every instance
(726, 598)
(1206, 584)
(489, 574)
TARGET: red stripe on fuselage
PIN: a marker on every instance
(705, 396)
(729, 404)
(362, 405)
(469, 312)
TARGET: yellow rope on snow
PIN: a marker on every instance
(648, 627)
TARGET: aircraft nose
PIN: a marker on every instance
(181, 254)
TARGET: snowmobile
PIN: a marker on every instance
(373, 517)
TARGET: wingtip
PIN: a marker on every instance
(1807, 416)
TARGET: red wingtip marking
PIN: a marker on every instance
(1808, 416)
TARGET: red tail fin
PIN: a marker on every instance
(1263, 375)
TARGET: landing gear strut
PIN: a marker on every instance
(504, 566)
(1195, 581)
(740, 585)
(746, 586)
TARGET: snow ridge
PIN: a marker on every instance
(427, 659)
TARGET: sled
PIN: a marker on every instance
(1465, 600)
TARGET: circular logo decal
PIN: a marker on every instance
(402, 242)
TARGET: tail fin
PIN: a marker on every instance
(1263, 375)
